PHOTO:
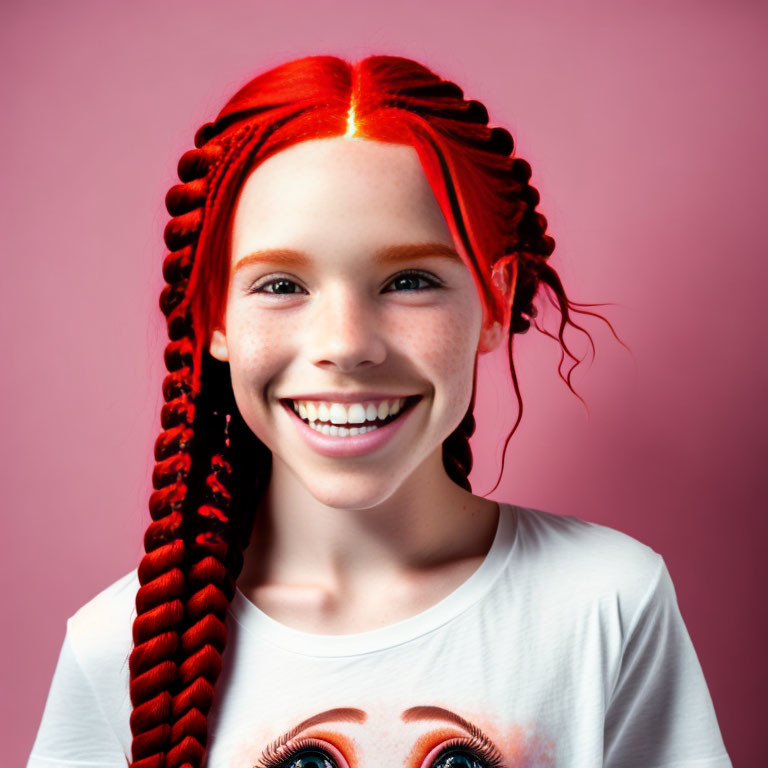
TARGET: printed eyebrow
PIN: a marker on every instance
(440, 713)
(338, 714)
(392, 254)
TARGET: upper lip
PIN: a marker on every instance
(349, 397)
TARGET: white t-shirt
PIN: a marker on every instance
(564, 648)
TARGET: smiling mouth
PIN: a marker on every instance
(340, 421)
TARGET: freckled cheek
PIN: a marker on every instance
(257, 350)
(443, 347)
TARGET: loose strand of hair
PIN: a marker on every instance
(518, 419)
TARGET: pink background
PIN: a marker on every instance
(647, 138)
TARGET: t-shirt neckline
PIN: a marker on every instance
(253, 619)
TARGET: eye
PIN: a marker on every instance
(467, 753)
(305, 753)
(412, 278)
(281, 286)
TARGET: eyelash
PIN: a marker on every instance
(489, 756)
(434, 283)
(275, 760)
(431, 279)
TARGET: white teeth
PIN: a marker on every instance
(356, 414)
(338, 413)
(326, 429)
(342, 416)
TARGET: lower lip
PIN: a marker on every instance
(352, 445)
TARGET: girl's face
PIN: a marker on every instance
(346, 297)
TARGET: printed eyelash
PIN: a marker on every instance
(276, 758)
(488, 754)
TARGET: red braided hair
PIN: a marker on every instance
(205, 488)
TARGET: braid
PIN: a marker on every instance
(217, 535)
(208, 587)
(528, 247)
(159, 607)
(196, 480)
(473, 115)
(178, 632)
(457, 453)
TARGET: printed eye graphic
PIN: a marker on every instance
(306, 753)
(309, 759)
(465, 753)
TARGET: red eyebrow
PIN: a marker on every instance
(393, 254)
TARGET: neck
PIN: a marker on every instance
(426, 522)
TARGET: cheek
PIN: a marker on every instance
(256, 349)
(443, 345)
(257, 354)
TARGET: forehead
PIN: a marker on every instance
(337, 192)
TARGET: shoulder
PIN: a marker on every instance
(86, 720)
(586, 562)
(101, 630)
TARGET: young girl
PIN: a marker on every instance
(320, 586)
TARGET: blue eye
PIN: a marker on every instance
(306, 753)
(468, 753)
(457, 759)
(412, 277)
(308, 759)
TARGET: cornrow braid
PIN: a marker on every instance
(528, 246)
(457, 451)
(213, 561)
(159, 607)
(161, 692)
(209, 584)
(209, 544)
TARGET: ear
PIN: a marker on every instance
(218, 346)
(490, 337)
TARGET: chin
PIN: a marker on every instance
(351, 493)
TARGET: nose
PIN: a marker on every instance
(345, 333)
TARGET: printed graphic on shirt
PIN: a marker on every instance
(420, 737)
